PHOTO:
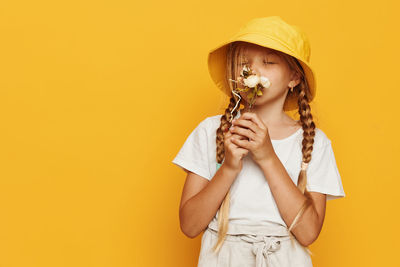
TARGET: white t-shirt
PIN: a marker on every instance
(251, 199)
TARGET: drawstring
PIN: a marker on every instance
(263, 246)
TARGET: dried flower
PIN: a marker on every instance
(252, 81)
(265, 82)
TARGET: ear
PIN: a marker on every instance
(294, 80)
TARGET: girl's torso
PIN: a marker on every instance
(252, 202)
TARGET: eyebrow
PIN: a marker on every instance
(269, 53)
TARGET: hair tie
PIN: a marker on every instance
(304, 166)
(218, 165)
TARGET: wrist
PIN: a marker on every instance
(267, 162)
(228, 170)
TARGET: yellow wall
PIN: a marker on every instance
(97, 97)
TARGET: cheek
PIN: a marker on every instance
(272, 76)
(276, 76)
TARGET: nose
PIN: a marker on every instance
(254, 68)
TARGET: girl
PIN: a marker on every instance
(257, 180)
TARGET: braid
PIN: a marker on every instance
(308, 125)
(223, 216)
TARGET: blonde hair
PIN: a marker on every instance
(300, 92)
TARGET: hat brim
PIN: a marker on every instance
(217, 64)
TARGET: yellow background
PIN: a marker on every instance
(97, 97)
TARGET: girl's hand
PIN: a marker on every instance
(251, 126)
(233, 153)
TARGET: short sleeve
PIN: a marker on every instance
(193, 155)
(323, 175)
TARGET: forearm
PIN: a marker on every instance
(198, 211)
(289, 200)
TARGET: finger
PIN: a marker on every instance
(239, 136)
(254, 118)
(244, 131)
(227, 133)
(241, 143)
(246, 124)
(236, 147)
(229, 136)
(233, 137)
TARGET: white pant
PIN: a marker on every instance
(248, 246)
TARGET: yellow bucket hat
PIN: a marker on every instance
(272, 32)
